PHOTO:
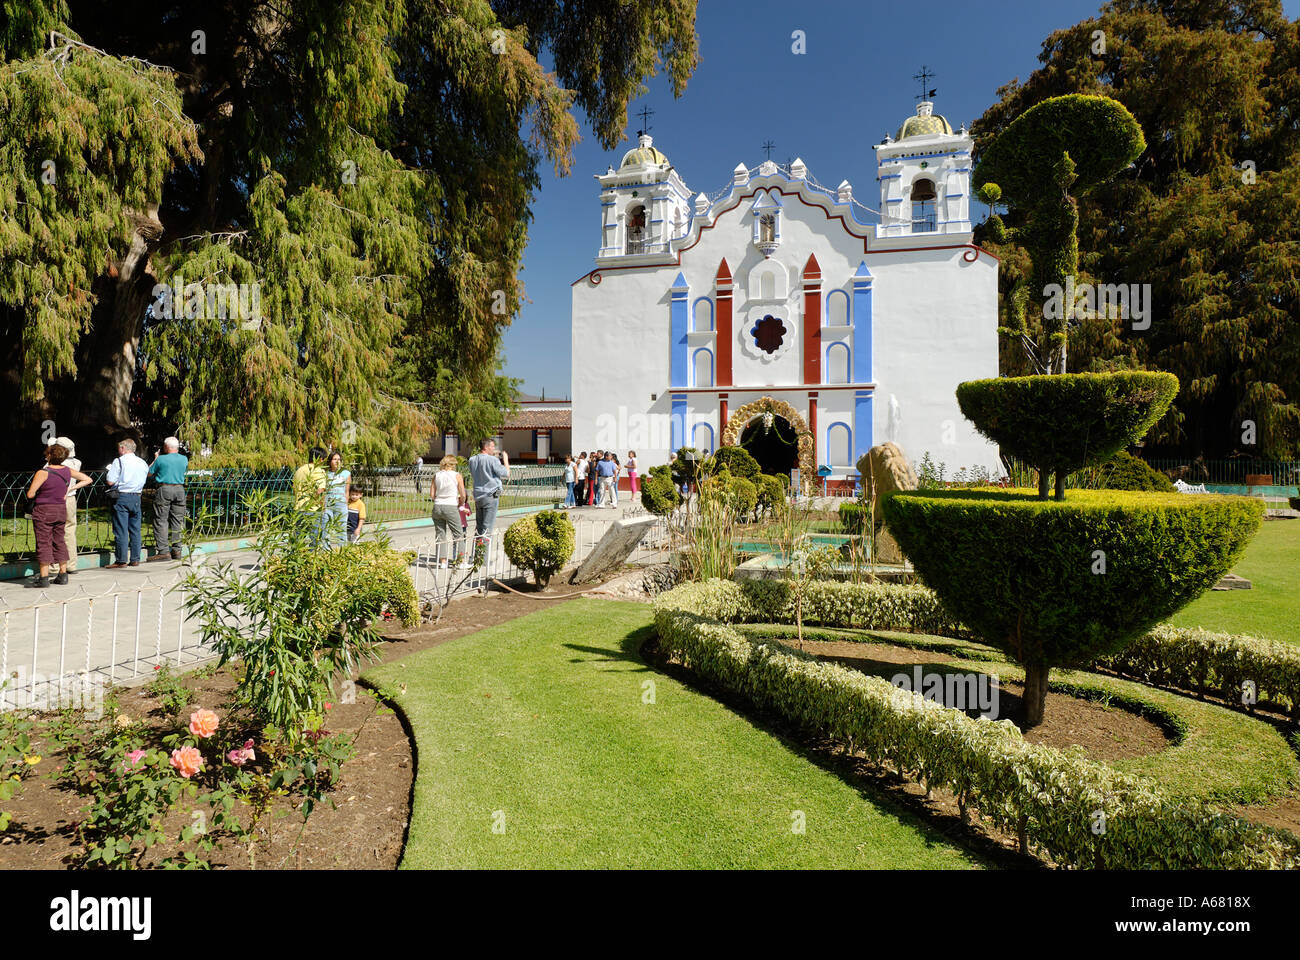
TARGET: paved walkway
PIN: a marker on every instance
(117, 624)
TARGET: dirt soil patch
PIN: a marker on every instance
(1105, 732)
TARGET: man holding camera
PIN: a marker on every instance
(487, 469)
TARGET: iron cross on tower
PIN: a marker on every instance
(768, 147)
(645, 115)
(924, 78)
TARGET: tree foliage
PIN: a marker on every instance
(369, 166)
(1209, 217)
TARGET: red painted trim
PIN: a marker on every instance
(722, 325)
(812, 331)
(768, 388)
(812, 422)
(723, 415)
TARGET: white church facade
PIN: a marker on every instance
(857, 329)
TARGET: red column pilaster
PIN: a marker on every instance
(812, 321)
(722, 324)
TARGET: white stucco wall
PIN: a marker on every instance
(934, 325)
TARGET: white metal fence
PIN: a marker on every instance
(87, 641)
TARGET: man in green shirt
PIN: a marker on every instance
(168, 471)
(309, 482)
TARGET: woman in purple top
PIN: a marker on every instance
(48, 492)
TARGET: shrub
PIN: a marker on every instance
(771, 492)
(742, 496)
(659, 494)
(855, 517)
(1061, 583)
(305, 614)
(1127, 472)
(735, 460)
(1051, 798)
(1218, 665)
(1060, 423)
(686, 471)
(542, 543)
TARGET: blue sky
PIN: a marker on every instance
(828, 106)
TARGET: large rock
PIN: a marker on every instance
(885, 468)
(613, 549)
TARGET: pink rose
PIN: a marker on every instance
(132, 759)
(241, 755)
(187, 761)
(203, 723)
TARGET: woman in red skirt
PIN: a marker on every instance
(48, 492)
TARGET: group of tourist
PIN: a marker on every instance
(488, 471)
(592, 479)
(323, 490)
(53, 497)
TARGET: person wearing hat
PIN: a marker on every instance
(70, 528)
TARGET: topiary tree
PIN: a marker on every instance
(1062, 423)
(742, 496)
(738, 461)
(1127, 472)
(686, 471)
(659, 493)
(1054, 152)
(771, 492)
(1060, 584)
(542, 543)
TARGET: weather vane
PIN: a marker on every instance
(769, 146)
(924, 78)
(645, 115)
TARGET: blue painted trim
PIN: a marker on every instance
(679, 325)
(712, 378)
(848, 316)
(890, 176)
(848, 446)
(862, 420)
(848, 367)
(677, 421)
(712, 315)
(695, 430)
(920, 156)
(862, 324)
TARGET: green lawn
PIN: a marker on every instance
(540, 726)
(1272, 607)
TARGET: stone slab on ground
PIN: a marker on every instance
(613, 549)
(1231, 581)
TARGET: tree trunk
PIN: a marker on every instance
(1035, 693)
(101, 408)
(1044, 479)
(1060, 485)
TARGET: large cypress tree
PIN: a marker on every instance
(368, 165)
(1209, 215)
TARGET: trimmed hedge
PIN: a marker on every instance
(737, 461)
(1213, 664)
(854, 516)
(659, 494)
(1025, 574)
(542, 543)
(1061, 423)
(1051, 797)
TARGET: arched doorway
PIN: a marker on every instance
(773, 441)
(754, 412)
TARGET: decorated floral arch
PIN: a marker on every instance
(749, 412)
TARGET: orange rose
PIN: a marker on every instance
(187, 761)
(203, 723)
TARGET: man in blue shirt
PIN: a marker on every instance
(168, 471)
(607, 470)
(487, 472)
(126, 475)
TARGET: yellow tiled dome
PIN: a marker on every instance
(923, 125)
(644, 153)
